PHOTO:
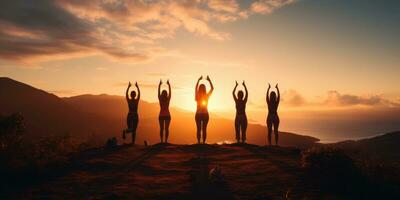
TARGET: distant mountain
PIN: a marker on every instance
(46, 114)
(101, 116)
(382, 148)
(110, 106)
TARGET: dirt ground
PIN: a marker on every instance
(166, 171)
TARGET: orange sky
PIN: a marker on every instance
(325, 55)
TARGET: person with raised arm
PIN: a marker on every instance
(132, 119)
(273, 118)
(202, 97)
(164, 117)
(241, 118)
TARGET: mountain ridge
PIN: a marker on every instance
(98, 117)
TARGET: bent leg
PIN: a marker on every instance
(129, 124)
(244, 128)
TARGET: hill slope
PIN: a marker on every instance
(46, 114)
(383, 148)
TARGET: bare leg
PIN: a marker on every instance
(161, 123)
(269, 126)
(244, 128)
(167, 122)
(198, 126)
(237, 129)
(276, 127)
(135, 124)
(205, 122)
(133, 137)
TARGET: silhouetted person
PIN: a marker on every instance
(201, 97)
(240, 119)
(132, 119)
(164, 117)
(273, 119)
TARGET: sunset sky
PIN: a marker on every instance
(328, 56)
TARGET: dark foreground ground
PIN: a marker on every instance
(181, 172)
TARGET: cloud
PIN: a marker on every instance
(293, 98)
(230, 6)
(44, 29)
(268, 6)
(337, 99)
(333, 98)
(34, 31)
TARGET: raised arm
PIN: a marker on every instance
(127, 91)
(267, 96)
(159, 90)
(247, 93)
(234, 92)
(197, 87)
(169, 89)
(279, 94)
(137, 87)
(212, 86)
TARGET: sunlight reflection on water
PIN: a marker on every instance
(225, 142)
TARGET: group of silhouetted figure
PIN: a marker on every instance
(202, 116)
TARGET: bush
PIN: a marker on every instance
(335, 173)
(332, 171)
(37, 159)
(11, 128)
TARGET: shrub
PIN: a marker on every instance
(11, 128)
(332, 171)
(37, 159)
